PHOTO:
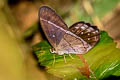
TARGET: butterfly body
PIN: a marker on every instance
(77, 39)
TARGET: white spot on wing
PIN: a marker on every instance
(82, 27)
(96, 31)
(93, 32)
(81, 32)
(53, 35)
(86, 26)
(88, 34)
(91, 28)
(77, 27)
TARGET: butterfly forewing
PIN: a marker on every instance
(51, 24)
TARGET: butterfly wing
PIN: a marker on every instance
(52, 25)
(72, 44)
(88, 33)
(80, 39)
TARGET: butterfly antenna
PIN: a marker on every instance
(71, 56)
(53, 60)
(65, 59)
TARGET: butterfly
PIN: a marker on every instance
(77, 39)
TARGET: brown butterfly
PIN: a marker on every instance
(77, 39)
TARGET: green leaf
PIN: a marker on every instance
(60, 68)
(103, 60)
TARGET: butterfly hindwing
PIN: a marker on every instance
(88, 33)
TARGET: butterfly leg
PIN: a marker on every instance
(65, 59)
(85, 69)
(93, 75)
(71, 56)
(53, 60)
